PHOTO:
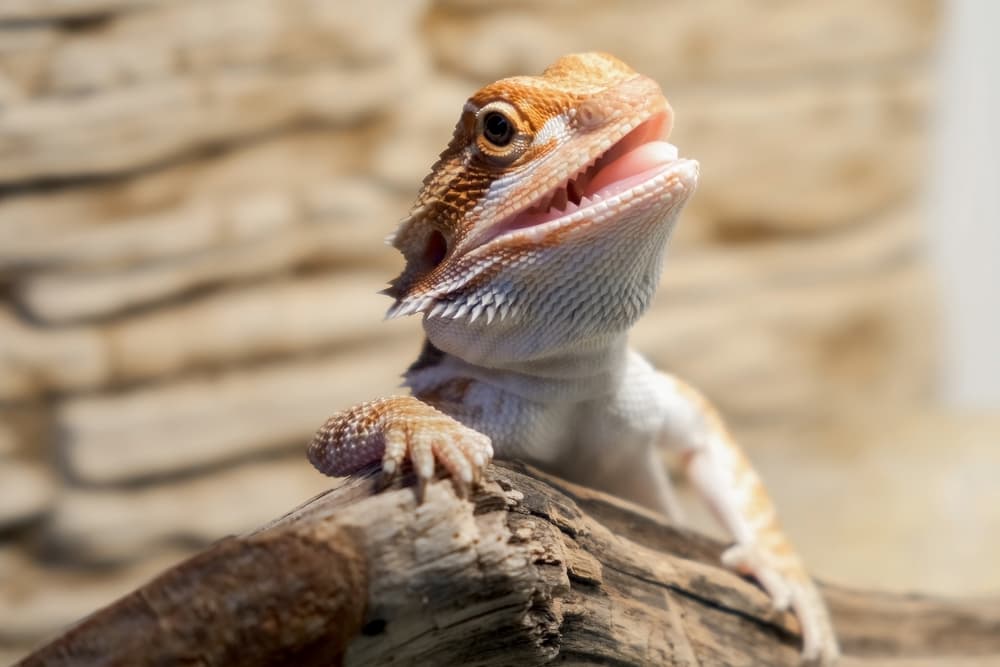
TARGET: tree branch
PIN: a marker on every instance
(532, 569)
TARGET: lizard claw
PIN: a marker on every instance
(397, 430)
(789, 586)
(746, 559)
(460, 450)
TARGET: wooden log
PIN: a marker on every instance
(532, 570)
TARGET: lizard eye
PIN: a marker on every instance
(497, 128)
(499, 139)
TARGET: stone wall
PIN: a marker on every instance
(193, 195)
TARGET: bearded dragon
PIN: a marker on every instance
(534, 244)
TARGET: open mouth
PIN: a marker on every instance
(637, 158)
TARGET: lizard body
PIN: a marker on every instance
(534, 244)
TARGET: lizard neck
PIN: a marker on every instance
(587, 370)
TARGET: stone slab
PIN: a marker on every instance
(125, 525)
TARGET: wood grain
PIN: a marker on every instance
(529, 571)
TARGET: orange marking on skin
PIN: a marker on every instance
(715, 423)
(459, 180)
(759, 503)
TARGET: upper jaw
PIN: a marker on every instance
(639, 161)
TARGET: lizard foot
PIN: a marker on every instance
(784, 578)
(399, 429)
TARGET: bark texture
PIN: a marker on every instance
(532, 570)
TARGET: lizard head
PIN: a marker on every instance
(543, 223)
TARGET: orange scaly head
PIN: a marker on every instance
(542, 170)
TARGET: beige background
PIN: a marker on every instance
(193, 196)
(962, 206)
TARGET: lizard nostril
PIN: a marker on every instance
(436, 248)
(589, 115)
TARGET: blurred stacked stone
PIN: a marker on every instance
(193, 195)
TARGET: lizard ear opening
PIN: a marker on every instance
(435, 248)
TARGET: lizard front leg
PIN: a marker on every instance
(396, 429)
(724, 477)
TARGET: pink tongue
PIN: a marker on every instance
(645, 157)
